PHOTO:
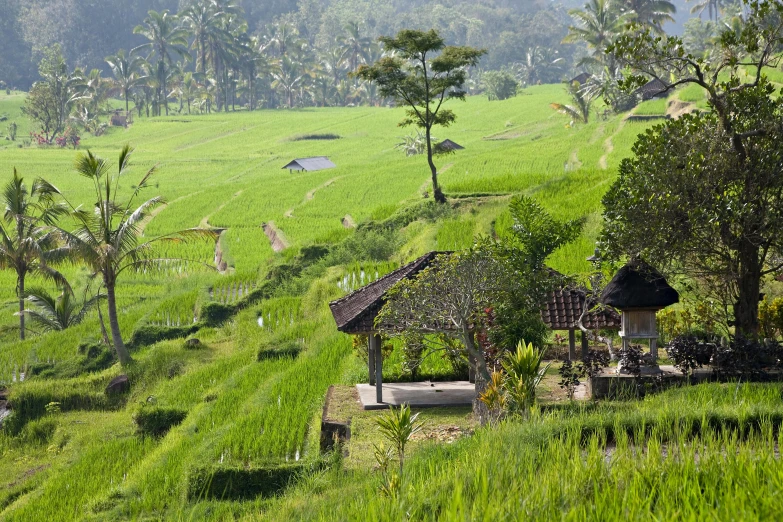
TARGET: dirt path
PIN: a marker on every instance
(608, 145)
(311, 196)
(205, 221)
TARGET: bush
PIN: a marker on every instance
(499, 85)
(147, 335)
(28, 402)
(155, 421)
(690, 352)
(240, 483)
(290, 349)
(746, 358)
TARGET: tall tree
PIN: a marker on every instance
(651, 13)
(166, 39)
(422, 75)
(28, 243)
(126, 71)
(598, 24)
(703, 194)
(107, 239)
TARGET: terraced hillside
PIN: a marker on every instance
(250, 394)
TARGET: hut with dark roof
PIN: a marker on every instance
(638, 290)
(582, 78)
(448, 146)
(310, 164)
(655, 88)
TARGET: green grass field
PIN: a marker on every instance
(86, 461)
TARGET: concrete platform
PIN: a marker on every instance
(418, 394)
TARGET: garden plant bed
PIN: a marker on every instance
(613, 385)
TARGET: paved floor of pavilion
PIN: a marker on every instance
(418, 394)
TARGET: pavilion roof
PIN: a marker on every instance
(639, 285)
(355, 313)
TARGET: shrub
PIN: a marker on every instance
(156, 421)
(690, 352)
(747, 358)
(499, 85)
(290, 349)
(148, 334)
(240, 483)
(29, 401)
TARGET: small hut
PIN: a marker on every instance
(638, 290)
(581, 79)
(449, 146)
(655, 88)
(309, 164)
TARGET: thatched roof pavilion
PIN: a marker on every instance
(638, 290)
(638, 285)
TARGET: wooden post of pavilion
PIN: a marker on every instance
(371, 359)
(571, 345)
(375, 346)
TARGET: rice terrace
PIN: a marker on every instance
(407, 260)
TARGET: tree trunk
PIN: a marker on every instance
(21, 305)
(119, 346)
(436, 192)
(104, 333)
(746, 309)
(480, 409)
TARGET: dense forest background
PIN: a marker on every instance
(90, 30)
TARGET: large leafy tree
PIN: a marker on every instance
(421, 73)
(28, 243)
(703, 195)
(107, 238)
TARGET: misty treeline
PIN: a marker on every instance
(298, 51)
(191, 56)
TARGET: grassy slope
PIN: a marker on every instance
(224, 170)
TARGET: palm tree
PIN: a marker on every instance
(58, 313)
(598, 25)
(288, 76)
(126, 73)
(107, 239)
(651, 13)
(28, 243)
(355, 47)
(713, 7)
(582, 102)
(166, 38)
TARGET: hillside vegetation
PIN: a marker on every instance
(243, 405)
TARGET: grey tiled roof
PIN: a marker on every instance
(564, 307)
(310, 164)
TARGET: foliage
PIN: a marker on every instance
(107, 239)
(570, 374)
(631, 359)
(398, 426)
(448, 297)
(499, 85)
(771, 317)
(52, 313)
(416, 80)
(513, 391)
(27, 243)
(155, 421)
(534, 235)
(582, 99)
(689, 352)
(717, 230)
(241, 483)
(747, 358)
